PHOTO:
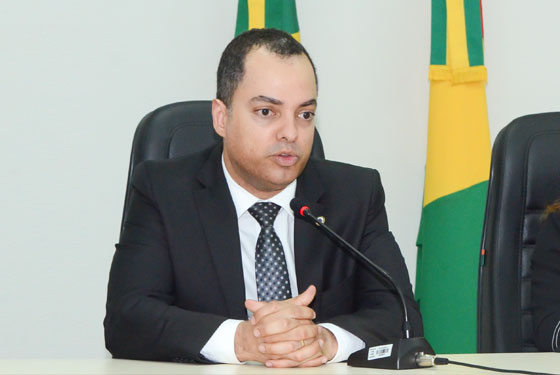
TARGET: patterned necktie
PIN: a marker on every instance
(272, 278)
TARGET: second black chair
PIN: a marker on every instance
(524, 179)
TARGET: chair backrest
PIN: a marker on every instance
(524, 179)
(179, 129)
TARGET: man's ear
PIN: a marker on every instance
(219, 116)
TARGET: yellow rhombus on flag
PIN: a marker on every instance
(270, 14)
(456, 183)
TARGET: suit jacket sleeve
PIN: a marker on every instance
(545, 282)
(377, 316)
(141, 321)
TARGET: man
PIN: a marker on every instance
(212, 266)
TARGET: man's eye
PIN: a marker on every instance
(307, 115)
(265, 112)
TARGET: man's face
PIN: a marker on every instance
(268, 131)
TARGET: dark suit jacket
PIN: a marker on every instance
(545, 290)
(177, 274)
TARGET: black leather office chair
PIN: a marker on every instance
(179, 129)
(524, 179)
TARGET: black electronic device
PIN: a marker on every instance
(404, 353)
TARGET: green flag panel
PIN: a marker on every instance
(447, 268)
(439, 33)
(281, 14)
(473, 23)
(242, 17)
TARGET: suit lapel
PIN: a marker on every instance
(307, 238)
(219, 220)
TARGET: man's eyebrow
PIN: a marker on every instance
(309, 102)
(267, 99)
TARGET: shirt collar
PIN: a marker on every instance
(242, 199)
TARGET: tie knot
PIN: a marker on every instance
(264, 213)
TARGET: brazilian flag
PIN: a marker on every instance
(456, 182)
(270, 14)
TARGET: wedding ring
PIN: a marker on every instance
(302, 343)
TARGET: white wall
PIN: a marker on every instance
(522, 58)
(77, 76)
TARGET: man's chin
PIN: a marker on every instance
(280, 182)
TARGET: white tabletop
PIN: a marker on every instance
(541, 362)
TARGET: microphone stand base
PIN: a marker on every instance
(398, 355)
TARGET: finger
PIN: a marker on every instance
(253, 305)
(266, 308)
(301, 332)
(286, 312)
(306, 297)
(278, 326)
(306, 353)
(261, 309)
(287, 309)
(298, 357)
(321, 360)
(283, 347)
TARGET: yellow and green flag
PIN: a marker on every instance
(456, 183)
(270, 14)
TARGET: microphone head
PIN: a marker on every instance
(298, 207)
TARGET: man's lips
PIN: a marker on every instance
(285, 159)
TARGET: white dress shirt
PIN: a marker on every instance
(220, 347)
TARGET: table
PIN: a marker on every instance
(542, 362)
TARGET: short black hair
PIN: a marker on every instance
(232, 62)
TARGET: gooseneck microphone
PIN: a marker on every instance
(304, 211)
(405, 353)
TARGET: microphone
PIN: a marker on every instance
(404, 353)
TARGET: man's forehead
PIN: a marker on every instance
(257, 54)
(262, 64)
(276, 79)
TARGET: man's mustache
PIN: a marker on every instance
(285, 148)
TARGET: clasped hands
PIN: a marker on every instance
(282, 334)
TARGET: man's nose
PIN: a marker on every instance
(288, 130)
